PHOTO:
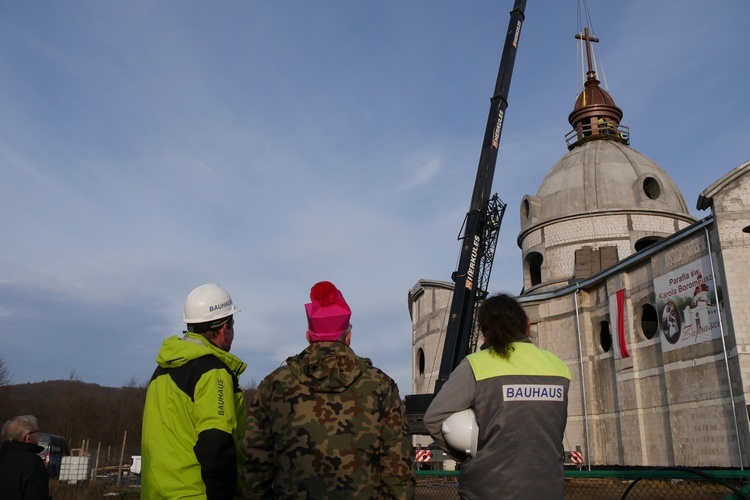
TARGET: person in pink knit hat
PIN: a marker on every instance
(328, 315)
(327, 423)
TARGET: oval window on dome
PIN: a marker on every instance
(651, 188)
(525, 209)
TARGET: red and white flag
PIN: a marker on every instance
(617, 321)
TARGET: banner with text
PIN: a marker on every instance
(686, 301)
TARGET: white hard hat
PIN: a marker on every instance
(208, 303)
(461, 431)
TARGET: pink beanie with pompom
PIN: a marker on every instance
(328, 314)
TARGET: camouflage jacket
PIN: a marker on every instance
(327, 424)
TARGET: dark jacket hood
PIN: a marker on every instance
(327, 366)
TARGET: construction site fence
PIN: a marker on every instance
(617, 484)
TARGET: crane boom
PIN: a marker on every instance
(461, 317)
(480, 231)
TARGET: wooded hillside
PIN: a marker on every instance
(89, 415)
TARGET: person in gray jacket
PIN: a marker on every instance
(519, 394)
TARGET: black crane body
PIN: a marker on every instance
(480, 230)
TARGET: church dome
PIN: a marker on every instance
(603, 176)
(602, 202)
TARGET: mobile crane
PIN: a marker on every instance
(480, 231)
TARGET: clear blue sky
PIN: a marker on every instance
(150, 147)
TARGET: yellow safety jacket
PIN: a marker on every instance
(193, 422)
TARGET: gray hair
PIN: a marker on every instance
(17, 428)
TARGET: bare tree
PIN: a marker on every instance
(134, 383)
(5, 376)
(249, 391)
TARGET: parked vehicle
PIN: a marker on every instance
(55, 447)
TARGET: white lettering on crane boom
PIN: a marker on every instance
(498, 126)
(517, 35)
(472, 263)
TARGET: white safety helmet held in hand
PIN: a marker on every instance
(208, 303)
(462, 432)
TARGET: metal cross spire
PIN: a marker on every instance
(588, 40)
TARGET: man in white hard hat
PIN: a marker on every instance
(194, 417)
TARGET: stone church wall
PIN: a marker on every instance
(654, 408)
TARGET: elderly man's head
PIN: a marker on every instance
(24, 429)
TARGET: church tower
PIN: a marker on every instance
(602, 202)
